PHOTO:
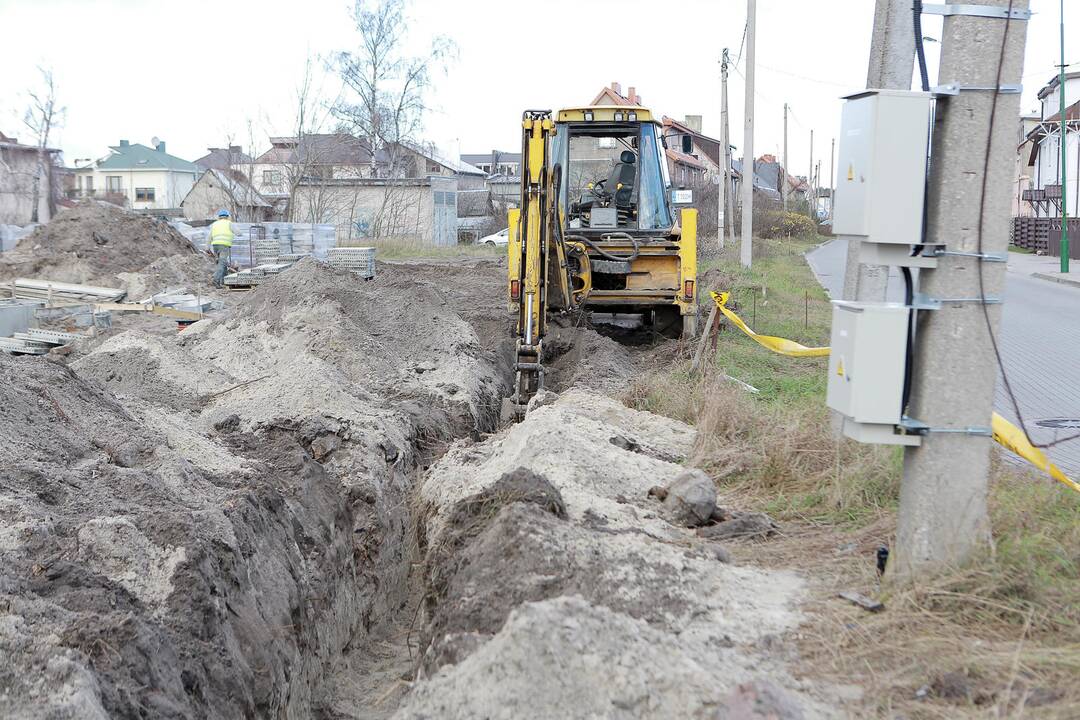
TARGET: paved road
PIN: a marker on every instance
(1039, 340)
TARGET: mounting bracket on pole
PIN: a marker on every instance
(985, 257)
(911, 426)
(954, 89)
(922, 301)
(986, 11)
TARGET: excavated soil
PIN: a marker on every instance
(307, 508)
(96, 243)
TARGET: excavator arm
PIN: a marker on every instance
(537, 262)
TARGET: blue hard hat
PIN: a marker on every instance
(223, 213)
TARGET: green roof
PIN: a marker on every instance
(140, 157)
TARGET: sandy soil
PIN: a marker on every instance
(307, 508)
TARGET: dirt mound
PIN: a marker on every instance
(93, 243)
(608, 611)
(136, 583)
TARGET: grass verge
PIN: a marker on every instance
(403, 249)
(997, 638)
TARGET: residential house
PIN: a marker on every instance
(415, 211)
(19, 171)
(773, 175)
(764, 192)
(1044, 162)
(277, 171)
(137, 176)
(415, 160)
(612, 95)
(705, 160)
(223, 159)
(496, 162)
(227, 190)
(1026, 153)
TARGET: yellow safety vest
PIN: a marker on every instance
(221, 233)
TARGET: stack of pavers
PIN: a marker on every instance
(36, 341)
(360, 260)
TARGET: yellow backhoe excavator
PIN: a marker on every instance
(596, 229)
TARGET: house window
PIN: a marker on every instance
(272, 177)
(90, 183)
(433, 167)
(144, 194)
(112, 183)
(439, 195)
(451, 199)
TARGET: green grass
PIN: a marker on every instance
(1009, 617)
(1020, 250)
(404, 250)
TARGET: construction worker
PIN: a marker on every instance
(221, 237)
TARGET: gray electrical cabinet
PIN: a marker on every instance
(866, 369)
(881, 169)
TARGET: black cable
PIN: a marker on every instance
(920, 51)
(979, 238)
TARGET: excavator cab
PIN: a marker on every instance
(597, 230)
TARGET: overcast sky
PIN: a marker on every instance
(195, 73)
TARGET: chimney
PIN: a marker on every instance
(160, 147)
(124, 143)
(631, 95)
(616, 87)
(693, 122)
(232, 148)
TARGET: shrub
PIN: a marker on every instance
(780, 224)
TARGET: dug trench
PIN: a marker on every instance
(308, 508)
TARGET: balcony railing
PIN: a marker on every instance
(110, 194)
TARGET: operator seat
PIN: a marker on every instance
(623, 172)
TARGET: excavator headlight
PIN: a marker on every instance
(688, 289)
(588, 116)
(515, 289)
(632, 116)
(618, 116)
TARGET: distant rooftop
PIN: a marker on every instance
(128, 156)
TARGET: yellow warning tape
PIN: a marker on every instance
(1013, 438)
(1004, 432)
(776, 344)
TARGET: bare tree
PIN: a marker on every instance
(42, 116)
(385, 102)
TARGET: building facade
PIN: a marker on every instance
(22, 167)
(138, 177)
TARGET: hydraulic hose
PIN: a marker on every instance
(604, 253)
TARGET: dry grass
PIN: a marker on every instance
(997, 638)
(406, 248)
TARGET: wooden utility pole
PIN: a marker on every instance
(943, 515)
(746, 250)
(784, 185)
(892, 56)
(724, 199)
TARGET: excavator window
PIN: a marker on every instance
(613, 178)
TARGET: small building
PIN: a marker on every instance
(497, 162)
(19, 171)
(411, 211)
(229, 158)
(612, 95)
(230, 190)
(137, 176)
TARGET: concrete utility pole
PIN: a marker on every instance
(724, 199)
(746, 250)
(892, 57)
(810, 175)
(783, 187)
(943, 515)
(832, 176)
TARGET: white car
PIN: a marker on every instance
(500, 238)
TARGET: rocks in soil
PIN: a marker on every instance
(690, 499)
(607, 611)
(741, 525)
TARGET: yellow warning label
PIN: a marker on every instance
(840, 368)
(850, 172)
